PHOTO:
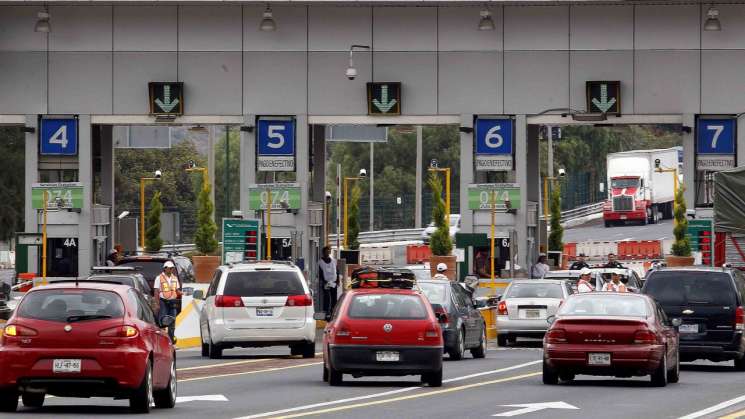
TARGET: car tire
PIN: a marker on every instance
(335, 377)
(325, 374)
(480, 351)
(566, 376)
(740, 363)
(459, 350)
(308, 350)
(166, 398)
(550, 376)
(673, 375)
(32, 399)
(659, 376)
(433, 379)
(142, 398)
(607, 224)
(205, 349)
(502, 340)
(214, 350)
(8, 401)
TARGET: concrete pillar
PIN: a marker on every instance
(85, 176)
(466, 173)
(418, 187)
(302, 168)
(740, 148)
(689, 165)
(318, 188)
(247, 168)
(31, 175)
(522, 178)
(533, 189)
(107, 177)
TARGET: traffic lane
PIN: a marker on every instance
(595, 230)
(702, 385)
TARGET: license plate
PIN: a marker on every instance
(623, 217)
(532, 314)
(598, 359)
(264, 312)
(688, 328)
(66, 365)
(387, 356)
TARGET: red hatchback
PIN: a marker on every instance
(611, 334)
(383, 332)
(86, 339)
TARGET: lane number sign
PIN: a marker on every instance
(58, 137)
(715, 144)
(494, 144)
(276, 145)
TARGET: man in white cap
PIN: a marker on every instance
(166, 288)
(584, 284)
(441, 269)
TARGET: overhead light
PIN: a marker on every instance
(123, 214)
(267, 23)
(42, 24)
(198, 128)
(712, 20)
(486, 23)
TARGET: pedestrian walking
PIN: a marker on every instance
(615, 285)
(613, 263)
(579, 264)
(441, 269)
(329, 277)
(585, 284)
(167, 289)
(540, 268)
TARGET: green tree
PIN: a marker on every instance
(353, 219)
(12, 150)
(682, 245)
(153, 242)
(555, 238)
(439, 243)
(227, 170)
(204, 238)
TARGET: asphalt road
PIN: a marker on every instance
(269, 383)
(595, 230)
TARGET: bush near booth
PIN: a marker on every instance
(556, 237)
(682, 245)
(353, 220)
(153, 242)
(439, 243)
(204, 238)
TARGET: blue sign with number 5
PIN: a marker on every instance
(276, 137)
(58, 137)
(493, 136)
(715, 136)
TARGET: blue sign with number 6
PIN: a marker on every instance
(58, 137)
(493, 136)
(276, 137)
(715, 136)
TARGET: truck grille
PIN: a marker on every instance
(623, 203)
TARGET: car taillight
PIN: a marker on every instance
(740, 318)
(228, 301)
(119, 332)
(556, 336)
(645, 337)
(14, 330)
(502, 308)
(299, 300)
(432, 331)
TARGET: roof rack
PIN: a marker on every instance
(84, 280)
(116, 268)
(253, 262)
(383, 277)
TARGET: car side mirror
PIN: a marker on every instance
(167, 321)
(551, 319)
(198, 295)
(321, 315)
(676, 322)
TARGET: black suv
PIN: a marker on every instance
(709, 301)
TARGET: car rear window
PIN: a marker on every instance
(524, 290)
(387, 306)
(124, 280)
(436, 293)
(68, 305)
(676, 288)
(605, 305)
(263, 283)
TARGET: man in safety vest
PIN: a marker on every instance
(615, 285)
(167, 289)
(584, 284)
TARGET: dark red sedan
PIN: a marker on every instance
(611, 334)
(86, 339)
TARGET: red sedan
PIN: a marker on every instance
(86, 339)
(611, 334)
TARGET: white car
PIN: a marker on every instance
(256, 305)
(454, 228)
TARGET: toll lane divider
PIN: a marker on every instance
(625, 249)
(187, 321)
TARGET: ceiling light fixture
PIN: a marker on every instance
(267, 23)
(486, 23)
(42, 24)
(712, 20)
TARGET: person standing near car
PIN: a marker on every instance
(613, 263)
(166, 288)
(329, 277)
(540, 268)
(584, 284)
(579, 264)
(615, 285)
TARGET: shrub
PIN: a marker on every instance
(354, 218)
(204, 238)
(439, 243)
(556, 237)
(153, 242)
(682, 245)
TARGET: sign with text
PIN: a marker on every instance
(166, 98)
(603, 97)
(715, 144)
(384, 98)
(494, 144)
(484, 195)
(275, 143)
(60, 195)
(284, 196)
(240, 240)
(58, 136)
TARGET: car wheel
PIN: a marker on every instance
(433, 379)
(8, 401)
(673, 376)
(480, 351)
(142, 398)
(607, 224)
(335, 377)
(32, 399)
(566, 376)
(308, 350)
(459, 350)
(325, 374)
(659, 376)
(205, 349)
(740, 363)
(214, 351)
(166, 398)
(502, 340)
(550, 376)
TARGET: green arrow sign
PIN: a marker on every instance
(604, 104)
(384, 104)
(166, 98)
(284, 196)
(604, 97)
(167, 104)
(384, 98)
(68, 195)
(482, 196)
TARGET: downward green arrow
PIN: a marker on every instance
(604, 104)
(384, 104)
(166, 104)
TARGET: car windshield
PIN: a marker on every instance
(387, 306)
(69, 305)
(435, 292)
(624, 183)
(124, 280)
(604, 305)
(263, 283)
(526, 290)
(676, 288)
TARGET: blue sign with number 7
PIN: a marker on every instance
(58, 137)
(715, 136)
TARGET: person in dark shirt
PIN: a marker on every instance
(613, 263)
(579, 263)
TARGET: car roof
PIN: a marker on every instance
(606, 293)
(260, 266)
(538, 281)
(571, 273)
(145, 258)
(84, 284)
(384, 291)
(695, 268)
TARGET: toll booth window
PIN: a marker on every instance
(58, 175)
(704, 188)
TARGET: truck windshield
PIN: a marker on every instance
(624, 183)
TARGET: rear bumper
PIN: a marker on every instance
(104, 372)
(223, 335)
(521, 327)
(629, 215)
(413, 360)
(714, 351)
(625, 359)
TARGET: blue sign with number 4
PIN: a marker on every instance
(58, 137)
(276, 137)
(493, 136)
(715, 136)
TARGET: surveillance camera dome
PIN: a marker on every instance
(351, 73)
(328, 195)
(562, 172)
(158, 174)
(363, 173)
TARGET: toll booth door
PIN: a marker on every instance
(62, 257)
(281, 248)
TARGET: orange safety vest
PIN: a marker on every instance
(167, 290)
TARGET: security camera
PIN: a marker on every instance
(656, 163)
(191, 164)
(363, 173)
(328, 196)
(351, 73)
(158, 174)
(562, 173)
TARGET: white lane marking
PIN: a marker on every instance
(714, 408)
(385, 393)
(205, 398)
(534, 407)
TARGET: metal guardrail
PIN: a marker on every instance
(579, 212)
